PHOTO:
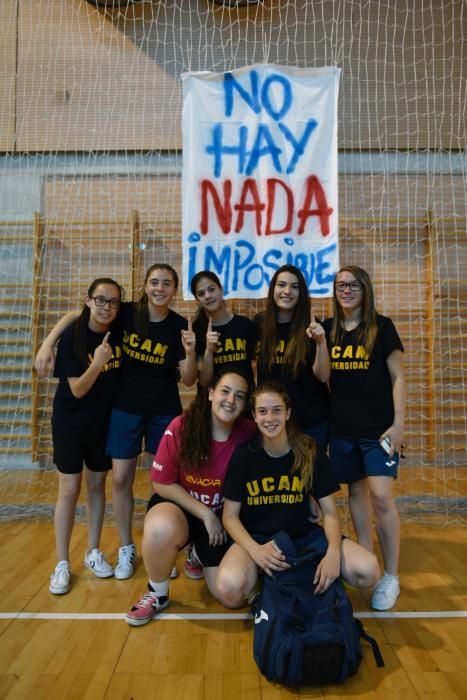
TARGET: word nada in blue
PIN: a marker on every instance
(241, 267)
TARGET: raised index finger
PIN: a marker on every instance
(106, 338)
(210, 324)
(312, 314)
(190, 325)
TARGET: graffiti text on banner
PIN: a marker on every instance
(260, 185)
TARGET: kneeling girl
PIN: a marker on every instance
(188, 476)
(267, 489)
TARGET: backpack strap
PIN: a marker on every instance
(285, 543)
(372, 641)
(308, 551)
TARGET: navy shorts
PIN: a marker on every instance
(320, 432)
(353, 459)
(127, 430)
(206, 553)
(72, 448)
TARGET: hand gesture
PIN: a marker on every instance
(269, 558)
(315, 330)
(217, 534)
(327, 571)
(189, 339)
(103, 352)
(44, 361)
(212, 337)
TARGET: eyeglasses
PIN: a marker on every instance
(102, 301)
(354, 286)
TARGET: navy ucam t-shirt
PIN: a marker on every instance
(91, 412)
(149, 383)
(272, 497)
(361, 387)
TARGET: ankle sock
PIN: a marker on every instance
(160, 588)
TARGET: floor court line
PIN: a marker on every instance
(441, 614)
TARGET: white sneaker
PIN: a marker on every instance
(386, 592)
(126, 561)
(60, 579)
(98, 564)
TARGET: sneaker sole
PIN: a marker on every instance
(59, 591)
(123, 578)
(135, 622)
(385, 607)
(99, 574)
(194, 577)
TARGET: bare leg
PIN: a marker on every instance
(361, 512)
(165, 532)
(123, 476)
(95, 482)
(234, 579)
(387, 521)
(358, 566)
(69, 486)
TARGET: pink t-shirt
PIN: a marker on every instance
(206, 484)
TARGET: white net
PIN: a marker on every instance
(90, 166)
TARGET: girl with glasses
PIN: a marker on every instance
(158, 346)
(368, 396)
(291, 348)
(87, 366)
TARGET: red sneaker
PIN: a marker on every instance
(146, 608)
(193, 567)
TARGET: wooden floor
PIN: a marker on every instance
(78, 656)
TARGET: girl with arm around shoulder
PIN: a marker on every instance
(267, 489)
(368, 395)
(158, 346)
(188, 476)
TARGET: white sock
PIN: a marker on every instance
(160, 588)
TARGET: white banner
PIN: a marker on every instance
(260, 176)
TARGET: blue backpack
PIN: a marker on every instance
(300, 638)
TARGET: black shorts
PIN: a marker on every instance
(206, 553)
(72, 448)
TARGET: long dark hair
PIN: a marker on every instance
(297, 345)
(201, 318)
(196, 433)
(141, 310)
(302, 446)
(80, 345)
(368, 329)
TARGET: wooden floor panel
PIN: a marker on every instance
(206, 658)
